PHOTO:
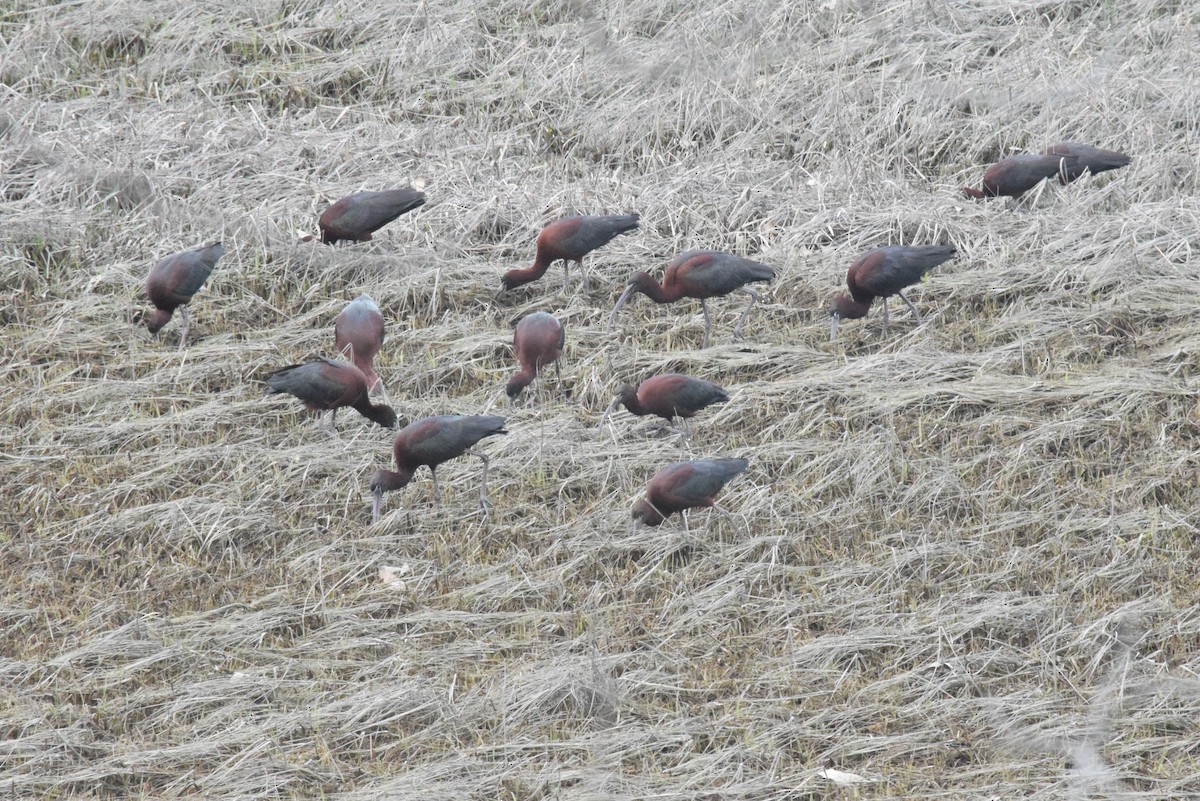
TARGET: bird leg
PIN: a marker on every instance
(885, 317)
(329, 429)
(584, 284)
(185, 323)
(707, 322)
(566, 274)
(483, 501)
(908, 303)
(737, 329)
(437, 491)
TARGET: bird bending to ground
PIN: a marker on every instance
(174, 280)
(668, 396)
(355, 217)
(700, 274)
(431, 441)
(358, 333)
(537, 342)
(882, 273)
(686, 485)
(1016, 175)
(329, 385)
(569, 240)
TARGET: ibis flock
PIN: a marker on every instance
(350, 380)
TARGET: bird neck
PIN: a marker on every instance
(521, 379)
(389, 480)
(849, 308)
(376, 412)
(629, 399)
(644, 511)
(653, 290)
(157, 319)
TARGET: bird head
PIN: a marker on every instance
(973, 194)
(157, 319)
(644, 512)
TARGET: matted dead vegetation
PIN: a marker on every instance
(965, 559)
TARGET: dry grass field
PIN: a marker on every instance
(965, 560)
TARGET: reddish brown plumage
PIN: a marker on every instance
(329, 385)
(431, 441)
(538, 341)
(700, 274)
(569, 240)
(668, 396)
(356, 217)
(174, 280)
(685, 485)
(884, 272)
(1016, 175)
(358, 333)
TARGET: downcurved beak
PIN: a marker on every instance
(620, 302)
(376, 503)
(834, 319)
(607, 412)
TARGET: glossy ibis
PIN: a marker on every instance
(538, 342)
(668, 396)
(1087, 159)
(330, 384)
(1016, 175)
(685, 485)
(355, 217)
(358, 332)
(569, 240)
(431, 441)
(882, 273)
(700, 274)
(174, 280)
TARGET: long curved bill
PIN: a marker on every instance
(607, 412)
(834, 319)
(620, 302)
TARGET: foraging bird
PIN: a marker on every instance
(668, 396)
(359, 329)
(431, 441)
(569, 240)
(882, 273)
(330, 384)
(686, 485)
(700, 274)
(174, 280)
(1016, 175)
(538, 342)
(355, 217)
(1088, 159)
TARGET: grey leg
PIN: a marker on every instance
(737, 329)
(916, 313)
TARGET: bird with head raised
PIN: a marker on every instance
(700, 274)
(432, 441)
(882, 273)
(569, 240)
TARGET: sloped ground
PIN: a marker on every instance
(964, 564)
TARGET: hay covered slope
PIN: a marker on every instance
(965, 558)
